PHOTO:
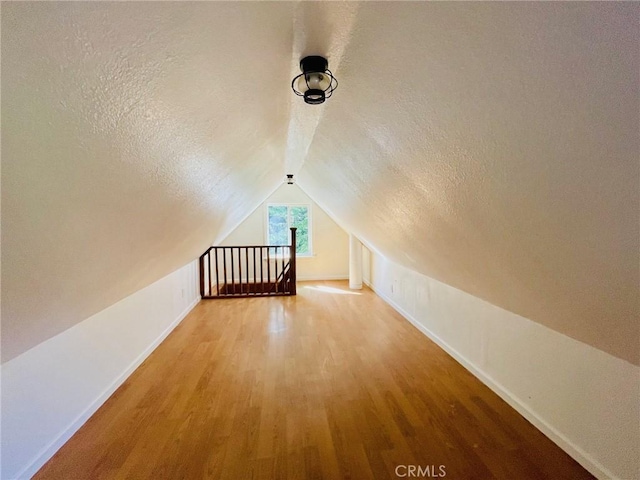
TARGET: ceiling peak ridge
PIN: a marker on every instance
(319, 28)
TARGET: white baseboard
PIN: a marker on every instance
(47, 452)
(319, 278)
(583, 458)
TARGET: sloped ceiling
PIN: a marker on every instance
(491, 146)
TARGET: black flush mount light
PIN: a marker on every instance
(316, 83)
(289, 179)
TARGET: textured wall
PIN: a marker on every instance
(132, 135)
(493, 147)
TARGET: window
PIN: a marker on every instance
(280, 218)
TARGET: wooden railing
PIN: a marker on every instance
(248, 271)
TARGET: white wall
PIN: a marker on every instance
(330, 243)
(49, 391)
(584, 399)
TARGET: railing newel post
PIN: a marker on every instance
(202, 275)
(292, 262)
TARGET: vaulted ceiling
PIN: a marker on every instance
(492, 146)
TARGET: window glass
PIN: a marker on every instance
(278, 225)
(280, 218)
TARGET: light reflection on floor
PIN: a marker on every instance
(277, 319)
(322, 288)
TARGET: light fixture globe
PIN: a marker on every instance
(316, 83)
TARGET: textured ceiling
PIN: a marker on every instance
(492, 146)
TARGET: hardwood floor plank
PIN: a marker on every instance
(330, 384)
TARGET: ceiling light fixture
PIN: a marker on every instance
(289, 178)
(316, 83)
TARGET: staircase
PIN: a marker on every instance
(248, 271)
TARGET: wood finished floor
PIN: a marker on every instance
(319, 386)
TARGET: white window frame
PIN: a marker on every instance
(309, 224)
